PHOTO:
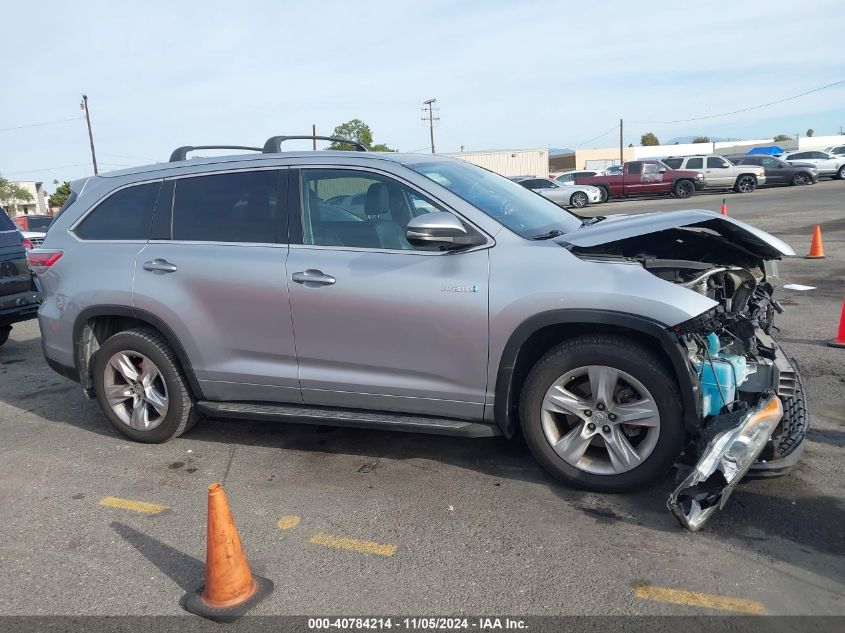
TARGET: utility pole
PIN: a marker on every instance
(84, 106)
(621, 151)
(314, 134)
(429, 116)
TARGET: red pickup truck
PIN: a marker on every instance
(646, 177)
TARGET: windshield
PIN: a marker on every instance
(524, 212)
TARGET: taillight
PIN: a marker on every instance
(41, 259)
(27, 243)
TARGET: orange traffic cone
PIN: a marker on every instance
(816, 246)
(230, 588)
(724, 207)
(839, 341)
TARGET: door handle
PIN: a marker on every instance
(315, 277)
(160, 266)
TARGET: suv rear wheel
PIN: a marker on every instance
(745, 184)
(140, 387)
(602, 412)
(683, 189)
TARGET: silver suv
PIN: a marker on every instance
(422, 293)
(720, 173)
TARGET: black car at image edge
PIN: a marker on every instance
(19, 296)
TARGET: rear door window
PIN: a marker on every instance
(674, 163)
(234, 207)
(695, 163)
(635, 168)
(124, 215)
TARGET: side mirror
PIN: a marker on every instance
(662, 170)
(440, 228)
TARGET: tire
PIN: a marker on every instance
(579, 200)
(4, 333)
(605, 193)
(140, 345)
(602, 352)
(801, 178)
(745, 184)
(683, 189)
(840, 175)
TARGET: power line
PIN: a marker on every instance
(595, 138)
(756, 107)
(21, 127)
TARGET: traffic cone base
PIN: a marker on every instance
(230, 588)
(839, 341)
(195, 603)
(816, 246)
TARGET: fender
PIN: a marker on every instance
(142, 315)
(504, 409)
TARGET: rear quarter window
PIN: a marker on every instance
(124, 215)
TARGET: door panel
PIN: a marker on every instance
(228, 306)
(396, 331)
(220, 283)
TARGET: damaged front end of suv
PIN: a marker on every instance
(752, 410)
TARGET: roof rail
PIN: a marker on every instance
(181, 153)
(273, 144)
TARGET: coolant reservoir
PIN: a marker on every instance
(720, 377)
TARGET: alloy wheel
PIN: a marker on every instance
(579, 200)
(135, 390)
(746, 184)
(600, 420)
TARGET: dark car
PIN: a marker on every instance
(779, 172)
(19, 297)
(34, 223)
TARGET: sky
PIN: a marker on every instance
(505, 74)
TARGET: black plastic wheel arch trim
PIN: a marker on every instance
(142, 315)
(504, 409)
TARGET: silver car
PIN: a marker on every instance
(565, 195)
(452, 301)
(832, 165)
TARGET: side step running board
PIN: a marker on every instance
(304, 414)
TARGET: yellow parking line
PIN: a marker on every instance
(136, 506)
(288, 521)
(366, 547)
(698, 599)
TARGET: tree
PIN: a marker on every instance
(782, 137)
(810, 132)
(701, 139)
(649, 139)
(356, 130)
(61, 194)
(11, 195)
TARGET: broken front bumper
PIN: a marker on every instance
(733, 442)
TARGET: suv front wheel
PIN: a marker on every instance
(141, 388)
(602, 412)
(745, 184)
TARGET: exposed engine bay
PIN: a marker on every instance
(752, 409)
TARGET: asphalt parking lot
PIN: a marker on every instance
(378, 523)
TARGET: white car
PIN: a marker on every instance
(32, 239)
(568, 177)
(837, 150)
(828, 164)
(578, 196)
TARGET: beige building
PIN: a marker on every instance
(37, 206)
(510, 162)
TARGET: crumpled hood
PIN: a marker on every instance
(619, 227)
